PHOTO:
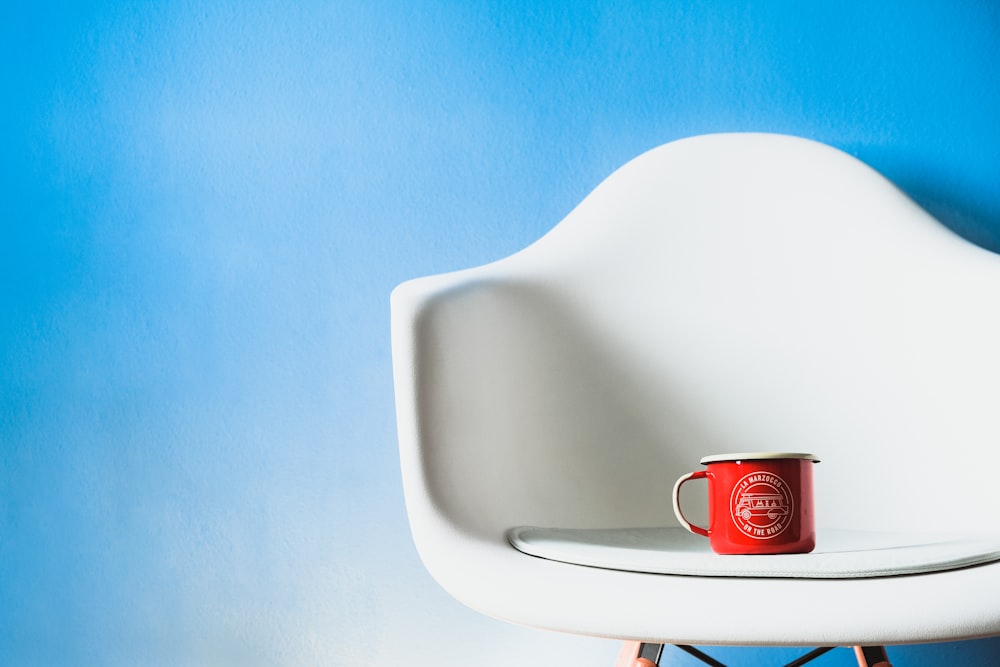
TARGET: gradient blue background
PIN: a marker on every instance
(203, 209)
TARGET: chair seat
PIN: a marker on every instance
(839, 554)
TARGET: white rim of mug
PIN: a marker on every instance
(758, 456)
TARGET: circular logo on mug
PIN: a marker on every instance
(761, 505)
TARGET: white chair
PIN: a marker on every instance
(734, 292)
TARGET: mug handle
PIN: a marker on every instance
(699, 474)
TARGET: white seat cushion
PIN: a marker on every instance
(839, 554)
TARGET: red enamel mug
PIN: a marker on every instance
(758, 503)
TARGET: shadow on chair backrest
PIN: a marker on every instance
(532, 418)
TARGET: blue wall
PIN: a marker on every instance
(204, 206)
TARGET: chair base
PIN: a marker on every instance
(641, 654)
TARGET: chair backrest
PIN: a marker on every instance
(738, 292)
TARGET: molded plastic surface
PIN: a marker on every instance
(741, 292)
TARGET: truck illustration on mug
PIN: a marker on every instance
(760, 504)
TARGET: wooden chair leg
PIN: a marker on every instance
(871, 656)
(628, 654)
(638, 654)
